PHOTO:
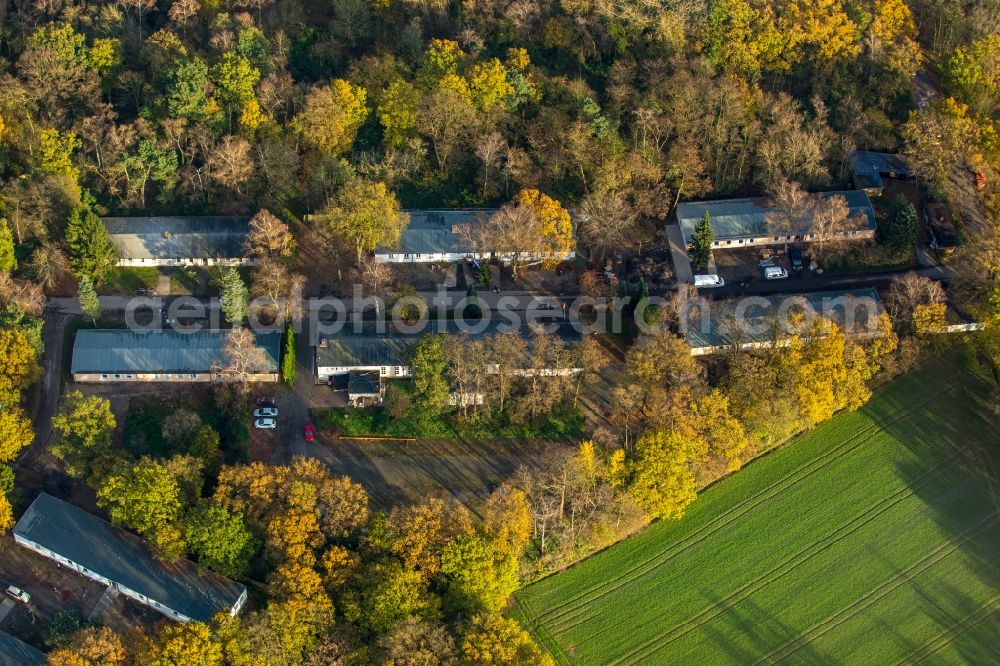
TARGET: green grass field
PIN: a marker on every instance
(874, 539)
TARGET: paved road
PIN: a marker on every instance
(294, 405)
(828, 281)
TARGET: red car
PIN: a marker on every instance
(309, 433)
(265, 401)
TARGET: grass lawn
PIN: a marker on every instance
(127, 281)
(873, 539)
(184, 280)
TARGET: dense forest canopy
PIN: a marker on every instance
(189, 107)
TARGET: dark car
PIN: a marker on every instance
(795, 256)
(265, 401)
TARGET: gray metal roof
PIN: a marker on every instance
(122, 557)
(212, 237)
(869, 167)
(348, 348)
(720, 327)
(15, 652)
(734, 219)
(121, 350)
(437, 231)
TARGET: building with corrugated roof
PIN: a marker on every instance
(15, 652)
(180, 241)
(121, 355)
(386, 352)
(444, 235)
(744, 222)
(759, 322)
(111, 556)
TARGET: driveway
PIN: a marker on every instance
(53, 336)
(678, 252)
(279, 445)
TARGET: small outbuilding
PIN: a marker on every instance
(180, 241)
(870, 169)
(364, 388)
(95, 548)
(120, 355)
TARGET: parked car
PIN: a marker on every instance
(18, 593)
(265, 411)
(708, 281)
(775, 273)
(265, 424)
(795, 257)
(265, 401)
(310, 434)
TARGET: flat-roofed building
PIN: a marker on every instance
(120, 355)
(104, 553)
(180, 241)
(744, 222)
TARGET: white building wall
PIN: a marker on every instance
(325, 372)
(194, 377)
(149, 262)
(864, 234)
(435, 257)
(94, 576)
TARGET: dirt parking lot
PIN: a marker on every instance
(395, 472)
(53, 589)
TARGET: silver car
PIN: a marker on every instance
(265, 411)
(265, 424)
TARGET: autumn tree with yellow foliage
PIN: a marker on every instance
(331, 116)
(533, 228)
(91, 646)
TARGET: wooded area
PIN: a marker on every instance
(348, 112)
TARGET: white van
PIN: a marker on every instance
(775, 273)
(708, 281)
